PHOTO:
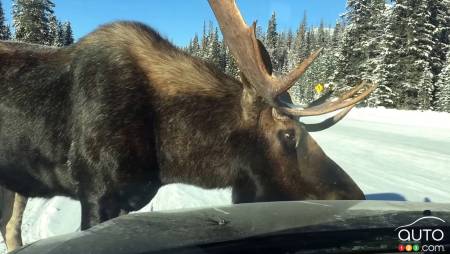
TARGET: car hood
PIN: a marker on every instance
(178, 229)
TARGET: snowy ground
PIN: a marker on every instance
(391, 154)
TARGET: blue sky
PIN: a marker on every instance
(179, 20)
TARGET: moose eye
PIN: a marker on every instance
(287, 138)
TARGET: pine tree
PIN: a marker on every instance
(337, 36)
(67, 33)
(272, 35)
(298, 48)
(440, 19)
(213, 48)
(280, 53)
(204, 41)
(443, 83)
(5, 33)
(289, 39)
(311, 41)
(55, 32)
(360, 44)
(31, 20)
(59, 42)
(419, 75)
(231, 67)
(332, 52)
(393, 48)
(300, 39)
(271, 42)
(222, 56)
(260, 33)
(194, 47)
(373, 46)
(321, 36)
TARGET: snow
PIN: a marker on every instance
(391, 154)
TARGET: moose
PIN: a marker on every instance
(112, 118)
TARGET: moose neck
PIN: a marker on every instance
(201, 136)
(203, 118)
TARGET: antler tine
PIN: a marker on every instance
(290, 79)
(243, 44)
(316, 102)
(327, 123)
(330, 106)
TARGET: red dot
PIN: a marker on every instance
(401, 247)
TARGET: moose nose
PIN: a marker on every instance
(336, 184)
(326, 178)
(345, 191)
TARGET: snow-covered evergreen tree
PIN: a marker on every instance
(213, 54)
(31, 20)
(443, 83)
(5, 33)
(280, 53)
(296, 53)
(393, 51)
(289, 39)
(55, 32)
(440, 18)
(360, 44)
(222, 55)
(272, 34)
(271, 42)
(59, 40)
(67, 34)
(419, 75)
(337, 36)
(311, 41)
(231, 67)
(405, 69)
(321, 35)
(194, 47)
(204, 43)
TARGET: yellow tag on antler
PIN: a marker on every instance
(319, 88)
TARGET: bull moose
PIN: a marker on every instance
(110, 119)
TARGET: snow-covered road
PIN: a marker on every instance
(386, 151)
(391, 154)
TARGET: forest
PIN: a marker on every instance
(35, 22)
(402, 46)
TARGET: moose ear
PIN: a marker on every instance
(265, 57)
(266, 60)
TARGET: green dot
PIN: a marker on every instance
(416, 247)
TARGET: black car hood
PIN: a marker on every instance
(178, 229)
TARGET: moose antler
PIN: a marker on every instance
(243, 44)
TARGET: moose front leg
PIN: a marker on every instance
(95, 210)
(13, 233)
(244, 190)
(12, 208)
